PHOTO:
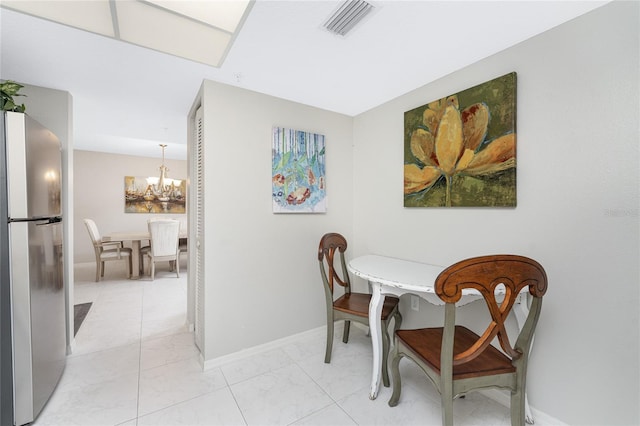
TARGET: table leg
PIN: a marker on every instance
(375, 326)
(135, 258)
(521, 311)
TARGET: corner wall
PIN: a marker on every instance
(577, 214)
(262, 280)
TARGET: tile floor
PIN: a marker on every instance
(134, 363)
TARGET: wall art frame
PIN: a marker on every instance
(298, 171)
(460, 150)
(159, 195)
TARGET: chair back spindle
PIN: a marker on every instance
(329, 245)
(487, 275)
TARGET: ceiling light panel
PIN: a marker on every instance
(93, 16)
(198, 30)
(225, 15)
(147, 25)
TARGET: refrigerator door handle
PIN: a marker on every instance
(51, 220)
(48, 220)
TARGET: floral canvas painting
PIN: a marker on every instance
(460, 151)
(298, 172)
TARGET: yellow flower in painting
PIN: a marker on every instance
(449, 144)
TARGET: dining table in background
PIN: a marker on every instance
(388, 275)
(136, 238)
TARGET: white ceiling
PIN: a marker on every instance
(128, 99)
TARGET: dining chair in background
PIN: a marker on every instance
(142, 253)
(456, 359)
(144, 250)
(163, 244)
(183, 246)
(350, 306)
(106, 251)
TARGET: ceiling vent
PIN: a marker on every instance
(347, 16)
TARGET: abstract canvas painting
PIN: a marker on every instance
(460, 151)
(298, 172)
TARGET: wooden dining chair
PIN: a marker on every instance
(106, 251)
(164, 244)
(350, 306)
(456, 359)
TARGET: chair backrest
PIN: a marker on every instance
(164, 237)
(93, 232)
(506, 274)
(329, 243)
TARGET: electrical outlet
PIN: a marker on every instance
(415, 303)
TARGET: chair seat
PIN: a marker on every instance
(115, 253)
(358, 304)
(426, 343)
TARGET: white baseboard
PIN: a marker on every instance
(501, 397)
(255, 350)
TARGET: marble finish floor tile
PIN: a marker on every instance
(331, 415)
(307, 345)
(250, 367)
(135, 363)
(95, 336)
(413, 408)
(99, 367)
(167, 349)
(279, 397)
(176, 382)
(162, 327)
(105, 403)
(214, 408)
(347, 373)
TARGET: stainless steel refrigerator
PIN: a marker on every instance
(32, 296)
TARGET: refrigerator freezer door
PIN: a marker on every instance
(38, 314)
(6, 342)
(33, 168)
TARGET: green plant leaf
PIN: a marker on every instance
(8, 105)
(10, 88)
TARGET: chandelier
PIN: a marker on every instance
(163, 187)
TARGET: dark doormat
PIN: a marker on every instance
(79, 314)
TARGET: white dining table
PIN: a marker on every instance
(135, 237)
(388, 275)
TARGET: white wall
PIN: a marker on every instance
(261, 269)
(54, 109)
(99, 194)
(577, 214)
